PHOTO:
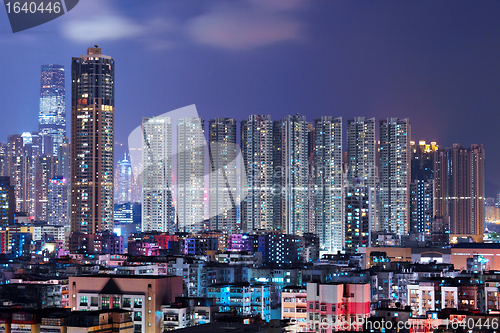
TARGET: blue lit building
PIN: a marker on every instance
(52, 115)
(127, 218)
(243, 298)
(20, 244)
(7, 203)
(422, 188)
(280, 249)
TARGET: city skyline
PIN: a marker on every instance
(251, 165)
(317, 66)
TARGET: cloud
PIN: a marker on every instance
(229, 25)
(102, 28)
(279, 5)
(247, 24)
(86, 25)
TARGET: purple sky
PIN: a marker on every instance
(435, 62)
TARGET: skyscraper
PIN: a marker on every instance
(52, 116)
(394, 175)
(257, 151)
(361, 161)
(291, 173)
(92, 140)
(222, 178)
(157, 175)
(190, 174)
(44, 171)
(422, 188)
(328, 182)
(124, 188)
(18, 166)
(58, 206)
(63, 160)
(459, 191)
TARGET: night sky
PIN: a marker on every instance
(435, 62)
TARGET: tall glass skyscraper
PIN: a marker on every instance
(52, 116)
(92, 142)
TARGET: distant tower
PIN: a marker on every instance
(395, 175)
(257, 151)
(44, 173)
(124, 181)
(92, 142)
(459, 189)
(328, 181)
(52, 116)
(157, 175)
(222, 178)
(190, 174)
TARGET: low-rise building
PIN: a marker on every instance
(242, 298)
(294, 306)
(141, 295)
(333, 307)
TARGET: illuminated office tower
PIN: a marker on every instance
(394, 175)
(328, 181)
(124, 186)
(257, 151)
(157, 175)
(361, 161)
(422, 188)
(291, 172)
(222, 154)
(92, 142)
(52, 116)
(58, 203)
(190, 204)
(459, 191)
(44, 172)
(7, 203)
